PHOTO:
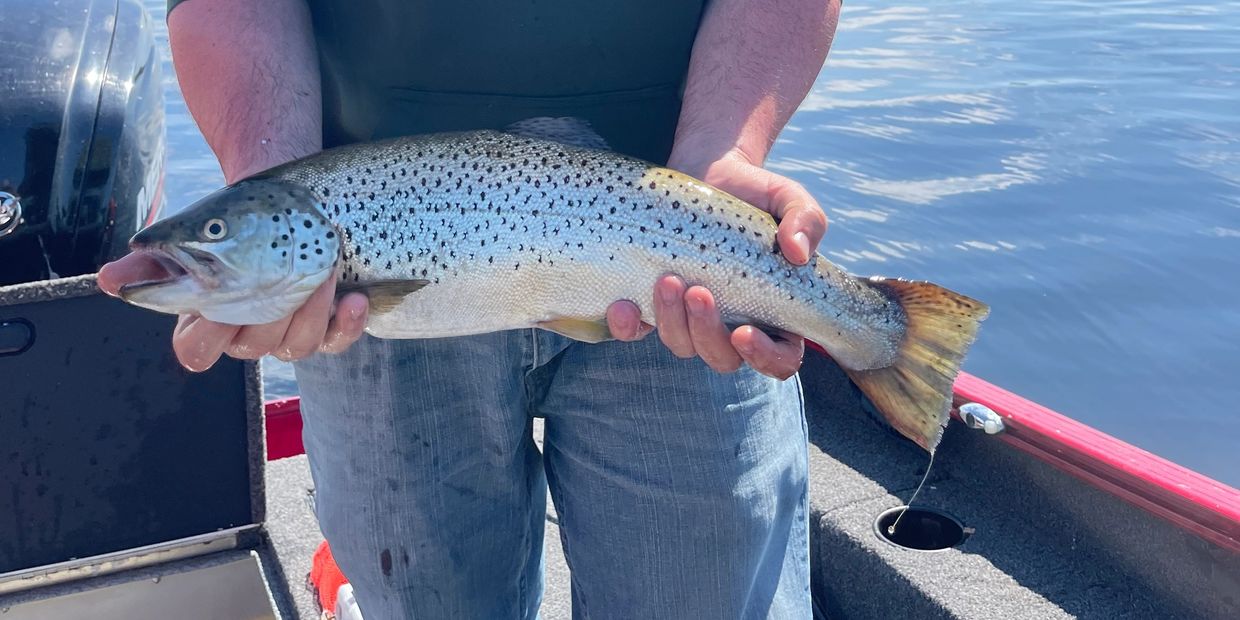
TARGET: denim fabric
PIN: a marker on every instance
(681, 492)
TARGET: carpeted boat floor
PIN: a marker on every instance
(1043, 545)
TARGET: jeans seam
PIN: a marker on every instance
(562, 526)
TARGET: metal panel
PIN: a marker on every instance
(233, 591)
(100, 565)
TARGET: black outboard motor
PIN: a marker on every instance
(81, 134)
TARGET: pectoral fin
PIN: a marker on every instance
(585, 330)
(384, 295)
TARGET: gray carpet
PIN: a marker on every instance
(1044, 546)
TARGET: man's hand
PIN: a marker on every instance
(688, 319)
(199, 342)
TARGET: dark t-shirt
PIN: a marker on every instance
(397, 67)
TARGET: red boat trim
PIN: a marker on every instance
(1185, 498)
(1191, 501)
(284, 429)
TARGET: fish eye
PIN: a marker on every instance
(215, 229)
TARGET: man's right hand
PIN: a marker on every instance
(199, 342)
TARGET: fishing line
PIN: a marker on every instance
(891, 530)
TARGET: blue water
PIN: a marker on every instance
(1074, 164)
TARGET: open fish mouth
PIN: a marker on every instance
(180, 266)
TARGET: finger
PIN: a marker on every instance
(802, 222)
(348, 324)
(198, 342)
(669, 316)
(129, 268)
(780, 358)
(624, 320)
(254, 341)
(711, 338)
(308, 328)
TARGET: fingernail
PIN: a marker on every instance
(668, 295)
(696, 306)
(802, 241)
(745, 348)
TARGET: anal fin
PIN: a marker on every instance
(584, 330)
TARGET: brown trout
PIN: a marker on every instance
(466, 233)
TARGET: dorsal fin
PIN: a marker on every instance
(569, 130)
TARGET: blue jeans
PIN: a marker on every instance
(681, 492)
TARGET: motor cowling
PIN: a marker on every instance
(82, 137)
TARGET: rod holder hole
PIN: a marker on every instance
(921, 529)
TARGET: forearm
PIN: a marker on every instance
(250, 77)
(752, 64)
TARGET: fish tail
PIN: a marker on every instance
(914, 393)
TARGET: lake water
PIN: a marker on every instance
(1074, 164)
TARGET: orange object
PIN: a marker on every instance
(325, 577)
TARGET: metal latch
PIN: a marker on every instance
(976, 415)
(10, 213)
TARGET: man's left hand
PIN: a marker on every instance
(687, 318)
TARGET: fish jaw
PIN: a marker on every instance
(184, 280)
(190, 287)
(266, 307)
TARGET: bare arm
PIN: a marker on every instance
(250, 76)
(249, 73)
(753, 63)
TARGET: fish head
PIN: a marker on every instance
(247, 254)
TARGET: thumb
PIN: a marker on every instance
(802, 223)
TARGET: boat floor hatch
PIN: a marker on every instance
(125, 476)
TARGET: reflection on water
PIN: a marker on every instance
(1074, 164)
